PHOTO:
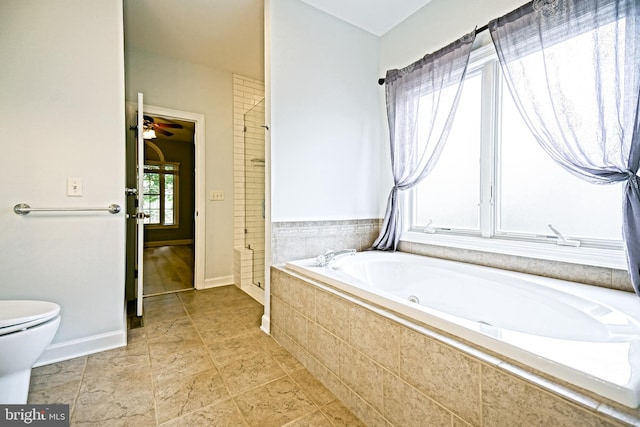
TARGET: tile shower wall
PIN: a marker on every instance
(596, 276)
(391, 372)
(247, 93)
(308, 239)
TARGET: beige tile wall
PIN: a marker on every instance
(308, 239)
(391, 372)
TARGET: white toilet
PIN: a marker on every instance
(26, 329)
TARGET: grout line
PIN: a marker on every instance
(77, 397)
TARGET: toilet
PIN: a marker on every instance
(26, 329)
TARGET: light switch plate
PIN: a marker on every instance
(74, 187)
(217, 196)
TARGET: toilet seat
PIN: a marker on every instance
(16, 315)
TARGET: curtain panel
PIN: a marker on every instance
(573, 69)
(421, 103)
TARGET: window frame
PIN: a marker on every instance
(609, 254)
(176, 177)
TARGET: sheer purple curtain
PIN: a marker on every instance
(573, 69)
(421, 103)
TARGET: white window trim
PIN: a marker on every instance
(614, 258)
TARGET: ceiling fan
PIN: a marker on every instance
(151, 127)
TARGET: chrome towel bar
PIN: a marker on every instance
(23, 209)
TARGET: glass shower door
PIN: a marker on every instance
(254, 137)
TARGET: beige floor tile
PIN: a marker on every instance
(100, 381)
(314, 419)
(245, 372)
(213, 330)
(164, 313)
(228, 349)
(221, 414)
(312, 387)
(133, 354)
(65, 393)
(274, 404)
(181, 362)
(161, 301)
(120, 396)
(201, 361)
(179, 396)
(340, 415)
(172, 329)
(57, 374)
(133, 411)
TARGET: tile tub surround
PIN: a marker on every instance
(199, 360)
(596, 276)
(308, 239)
(393, 372)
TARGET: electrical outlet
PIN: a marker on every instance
(217, 196)
(74, 187)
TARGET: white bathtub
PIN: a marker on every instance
(585, 335)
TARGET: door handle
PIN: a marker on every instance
(131, 191)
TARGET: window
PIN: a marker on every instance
(487, 184)
(160, 193)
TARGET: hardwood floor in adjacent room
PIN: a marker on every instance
(168, 269)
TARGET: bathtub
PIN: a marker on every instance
(585, 335)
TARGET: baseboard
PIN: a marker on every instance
(266, 325)
(168, 243)
(81, 347)
(217, 281)
(254, 292)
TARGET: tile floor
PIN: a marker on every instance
(199, 360)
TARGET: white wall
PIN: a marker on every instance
(62, 115)
(176, 84)
(325, 117)
(436, 25)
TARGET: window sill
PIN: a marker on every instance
(597, 257)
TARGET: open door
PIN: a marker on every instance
(139, 211)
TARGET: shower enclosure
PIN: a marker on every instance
(254, 214)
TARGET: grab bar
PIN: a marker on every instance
(24, 209)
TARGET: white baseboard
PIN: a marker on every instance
(216, 282)
(266, 325)
(81, 347)
(254, 292)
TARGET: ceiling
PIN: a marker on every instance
(374, 16)
(229, 34)
(222, 34)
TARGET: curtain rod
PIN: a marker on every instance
(478, 30)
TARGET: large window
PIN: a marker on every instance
(494, 181)
(160, 197)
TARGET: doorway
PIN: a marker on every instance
(168, 203)
(172, 201)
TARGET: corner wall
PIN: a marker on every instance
(62, 109)
(325, 119)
